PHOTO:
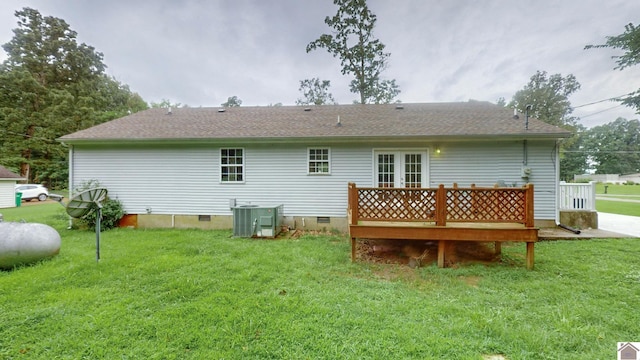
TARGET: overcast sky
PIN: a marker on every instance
(200, 52)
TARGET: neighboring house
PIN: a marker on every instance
(7, 187)
(189, 166)
(609, 178)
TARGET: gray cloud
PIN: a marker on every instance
(201, 52)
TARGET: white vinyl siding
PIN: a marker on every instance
(485, 164)
(185, 179)
(7, 194)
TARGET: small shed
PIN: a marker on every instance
(7, 187)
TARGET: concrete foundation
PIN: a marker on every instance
(579, 219)
(212, 222)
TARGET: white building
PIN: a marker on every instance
(188, 167)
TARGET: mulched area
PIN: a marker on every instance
(424, 253)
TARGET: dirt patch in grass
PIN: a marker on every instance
(424, 253)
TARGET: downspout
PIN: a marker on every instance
(71, 167)
(525, 154)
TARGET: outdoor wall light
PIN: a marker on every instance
(437, 149)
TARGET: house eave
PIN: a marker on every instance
(317, 139)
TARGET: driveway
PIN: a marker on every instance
(623, 224)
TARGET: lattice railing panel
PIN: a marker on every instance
(396, 204)
(486, 205)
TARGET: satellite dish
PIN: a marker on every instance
(86, 202)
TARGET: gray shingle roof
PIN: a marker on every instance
(5, 174)
(287, 123)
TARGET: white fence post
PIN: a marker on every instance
(577, 196)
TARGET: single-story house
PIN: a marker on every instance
(7, 187)
(188, 167)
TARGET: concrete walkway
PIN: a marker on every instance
(623, 224)
(609, 226)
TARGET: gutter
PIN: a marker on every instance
(314, 139)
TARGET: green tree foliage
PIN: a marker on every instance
(315, 92)
(615, 147)
(232, 101)
(50, 86)
(166, 103)
(546, 97)
(574, 154)
(629, 42)
(361, 55)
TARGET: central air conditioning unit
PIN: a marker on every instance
(257, 221)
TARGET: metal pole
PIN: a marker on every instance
(98, 217)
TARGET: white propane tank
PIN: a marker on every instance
(25, 243)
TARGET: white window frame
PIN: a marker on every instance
(241, 166)
(315, 161)
(401, 152)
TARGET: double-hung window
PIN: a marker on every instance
(232, 165)
(319, 160)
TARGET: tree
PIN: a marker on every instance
(315, 92)
(361, 55)
(547, 98)
(166, 103)
(629, 42)
(574, 154)
(49, 86)
(232, 101)
(615, 147)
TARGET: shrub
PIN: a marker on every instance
(629, 182)
(112, 209)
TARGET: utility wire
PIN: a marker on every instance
(601, 111)
(599, 101)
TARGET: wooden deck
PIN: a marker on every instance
(444, 215)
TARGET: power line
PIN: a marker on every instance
(599, 101)
(601, 111)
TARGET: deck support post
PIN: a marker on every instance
(441, 251)
(353, 249)
(498, 248)
(530, 255)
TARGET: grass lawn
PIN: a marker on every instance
(618, 189)
(191, 294)
(618, 207)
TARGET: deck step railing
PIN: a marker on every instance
(577, 196)
(441, 205)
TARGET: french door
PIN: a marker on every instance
(400, 169)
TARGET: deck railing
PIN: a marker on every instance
(577, 196)
(441, 205)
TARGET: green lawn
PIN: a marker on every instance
(618, 189)
(618, 207)
(191, 294)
